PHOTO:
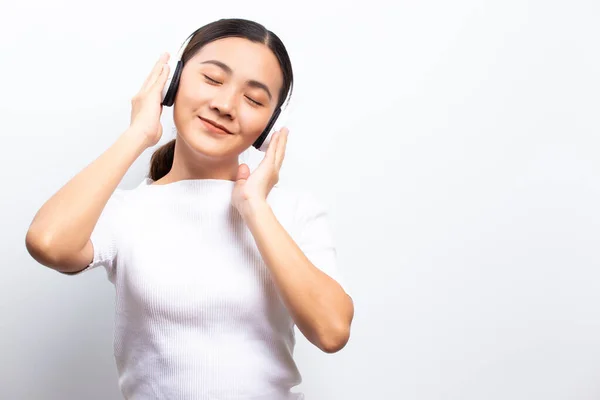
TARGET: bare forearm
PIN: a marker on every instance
(65, 222)
(319, 306)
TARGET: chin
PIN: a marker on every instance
(206, 144)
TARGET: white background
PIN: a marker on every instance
(456, 143)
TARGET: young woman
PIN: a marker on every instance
(212, 265)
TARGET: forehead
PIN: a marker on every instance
(247, 59)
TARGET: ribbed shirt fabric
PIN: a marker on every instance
(197, 315)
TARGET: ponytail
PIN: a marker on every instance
(162, 160)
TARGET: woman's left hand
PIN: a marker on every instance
(253, 189)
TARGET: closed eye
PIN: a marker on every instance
(254, 101)
(215, 82)
(211, 80)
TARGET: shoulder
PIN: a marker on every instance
(122, 197)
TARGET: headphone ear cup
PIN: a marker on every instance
(265, 144)
(170, 89)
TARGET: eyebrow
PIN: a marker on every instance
(229, 71)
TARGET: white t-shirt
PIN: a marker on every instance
(197, 315)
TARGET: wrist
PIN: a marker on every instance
(252, 210)
(135, 139)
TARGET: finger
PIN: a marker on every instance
(159, 84)
(156, 70)
(270, 156)
(164, 58)
(281, 146)
(243, 172)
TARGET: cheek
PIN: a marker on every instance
(195, 94)
(252, 121)
(193, 90)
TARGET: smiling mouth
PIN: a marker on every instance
(213, 126)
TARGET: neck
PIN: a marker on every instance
(199, 166)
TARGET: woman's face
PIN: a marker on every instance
(233, 83)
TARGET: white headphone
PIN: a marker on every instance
(172, 84)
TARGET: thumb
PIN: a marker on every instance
(243, 172)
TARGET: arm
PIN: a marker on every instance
(59, 235)
(318, 304)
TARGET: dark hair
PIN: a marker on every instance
(162, 159)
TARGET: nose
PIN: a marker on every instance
(224, 102)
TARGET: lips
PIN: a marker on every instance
(216, 127)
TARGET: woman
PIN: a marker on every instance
(213, 265)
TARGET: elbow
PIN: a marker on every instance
(337, 336)
(45, 251)
(41, 250)
(335, 340)
(37, 247)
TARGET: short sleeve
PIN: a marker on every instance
(316, 237)
(103, 236)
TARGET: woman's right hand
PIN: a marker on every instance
(146, 106)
